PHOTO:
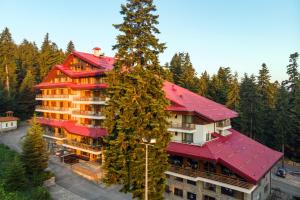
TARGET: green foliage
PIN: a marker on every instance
(70, 48)
(136, 107)
(15, 178)
(34, 154)
(184, 74)
(8, 160)
(203, 84)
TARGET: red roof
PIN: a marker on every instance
(189, 101)
(246, 157)
(101, 61)
(8, 119)
(71, 127)
(73, 74)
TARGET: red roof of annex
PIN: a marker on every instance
(246, 157)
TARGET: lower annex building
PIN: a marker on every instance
(209, 160)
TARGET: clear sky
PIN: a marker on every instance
(234, 33)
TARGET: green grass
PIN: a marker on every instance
(30, 193)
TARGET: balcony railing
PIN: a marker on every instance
(88, 113)
(83, 146)
(210, 175)
(52, 134)
(184, 126)
(223, 124)
(54, 96)
(50, 108)
(89, 99)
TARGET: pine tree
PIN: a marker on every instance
(282, 122)
(50, 55)
(15, 176)
(26, 96)
(248, 104)
(203, 84)
(7, 64)
(70, 48)
(233, 97)
(34, 154)
(293, 86)
(176, 68)
(136, 109)
(220, 84)
(26, 59)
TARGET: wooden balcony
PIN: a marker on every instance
(222, 124)
(210, 175)
(58, 136)
(50, 108)
(89, 98)
(88, 113)
(55, 96)
(184, 126)
(83, 147)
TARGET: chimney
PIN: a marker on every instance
(97, 51)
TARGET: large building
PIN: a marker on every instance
(209, 160)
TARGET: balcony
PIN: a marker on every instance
(50, 109)
(83, 147)
(89, 100)
(182, 126)
(52, 97)
(88, 114)
(210, 175)
(52, 135)
(222, 125)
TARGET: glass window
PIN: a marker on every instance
(191, 182)
(227, 191)
(206, 197)
(179, 179)
(209, 186)
(191, 196)
(211, 167)
(178, 192)
(167, 189)
(187, 137)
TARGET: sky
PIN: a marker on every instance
(232, 33)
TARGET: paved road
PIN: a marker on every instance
(289, 185)
(69, 186)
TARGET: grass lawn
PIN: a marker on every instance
(30, 193)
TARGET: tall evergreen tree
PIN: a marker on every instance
(203, 84)
(282, 123)
(26, 96)
(137, 104)
(26, 59)
(34, 154)
(8, 64)
(248, 104)
(70, 47)
(293, 86)
(233, 97)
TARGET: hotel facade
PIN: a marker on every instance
(208, 159)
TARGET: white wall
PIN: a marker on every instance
(8, 125)
(201, 131)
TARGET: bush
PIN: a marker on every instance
(40, 193)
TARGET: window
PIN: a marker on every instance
(179, 179)
(227, 191)
(6, 124)
(11, 123)
(187, 137)
(266, 188)
(210, 167)
(207, 136)
(206, 197)
(191, 182)
(209, 186)
(191, 196)
(167, 176)
(175, 116)
(178, 192)
(176, 133)
(193, 163)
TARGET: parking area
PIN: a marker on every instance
(69, 186)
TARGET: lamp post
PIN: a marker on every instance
(147, 142)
